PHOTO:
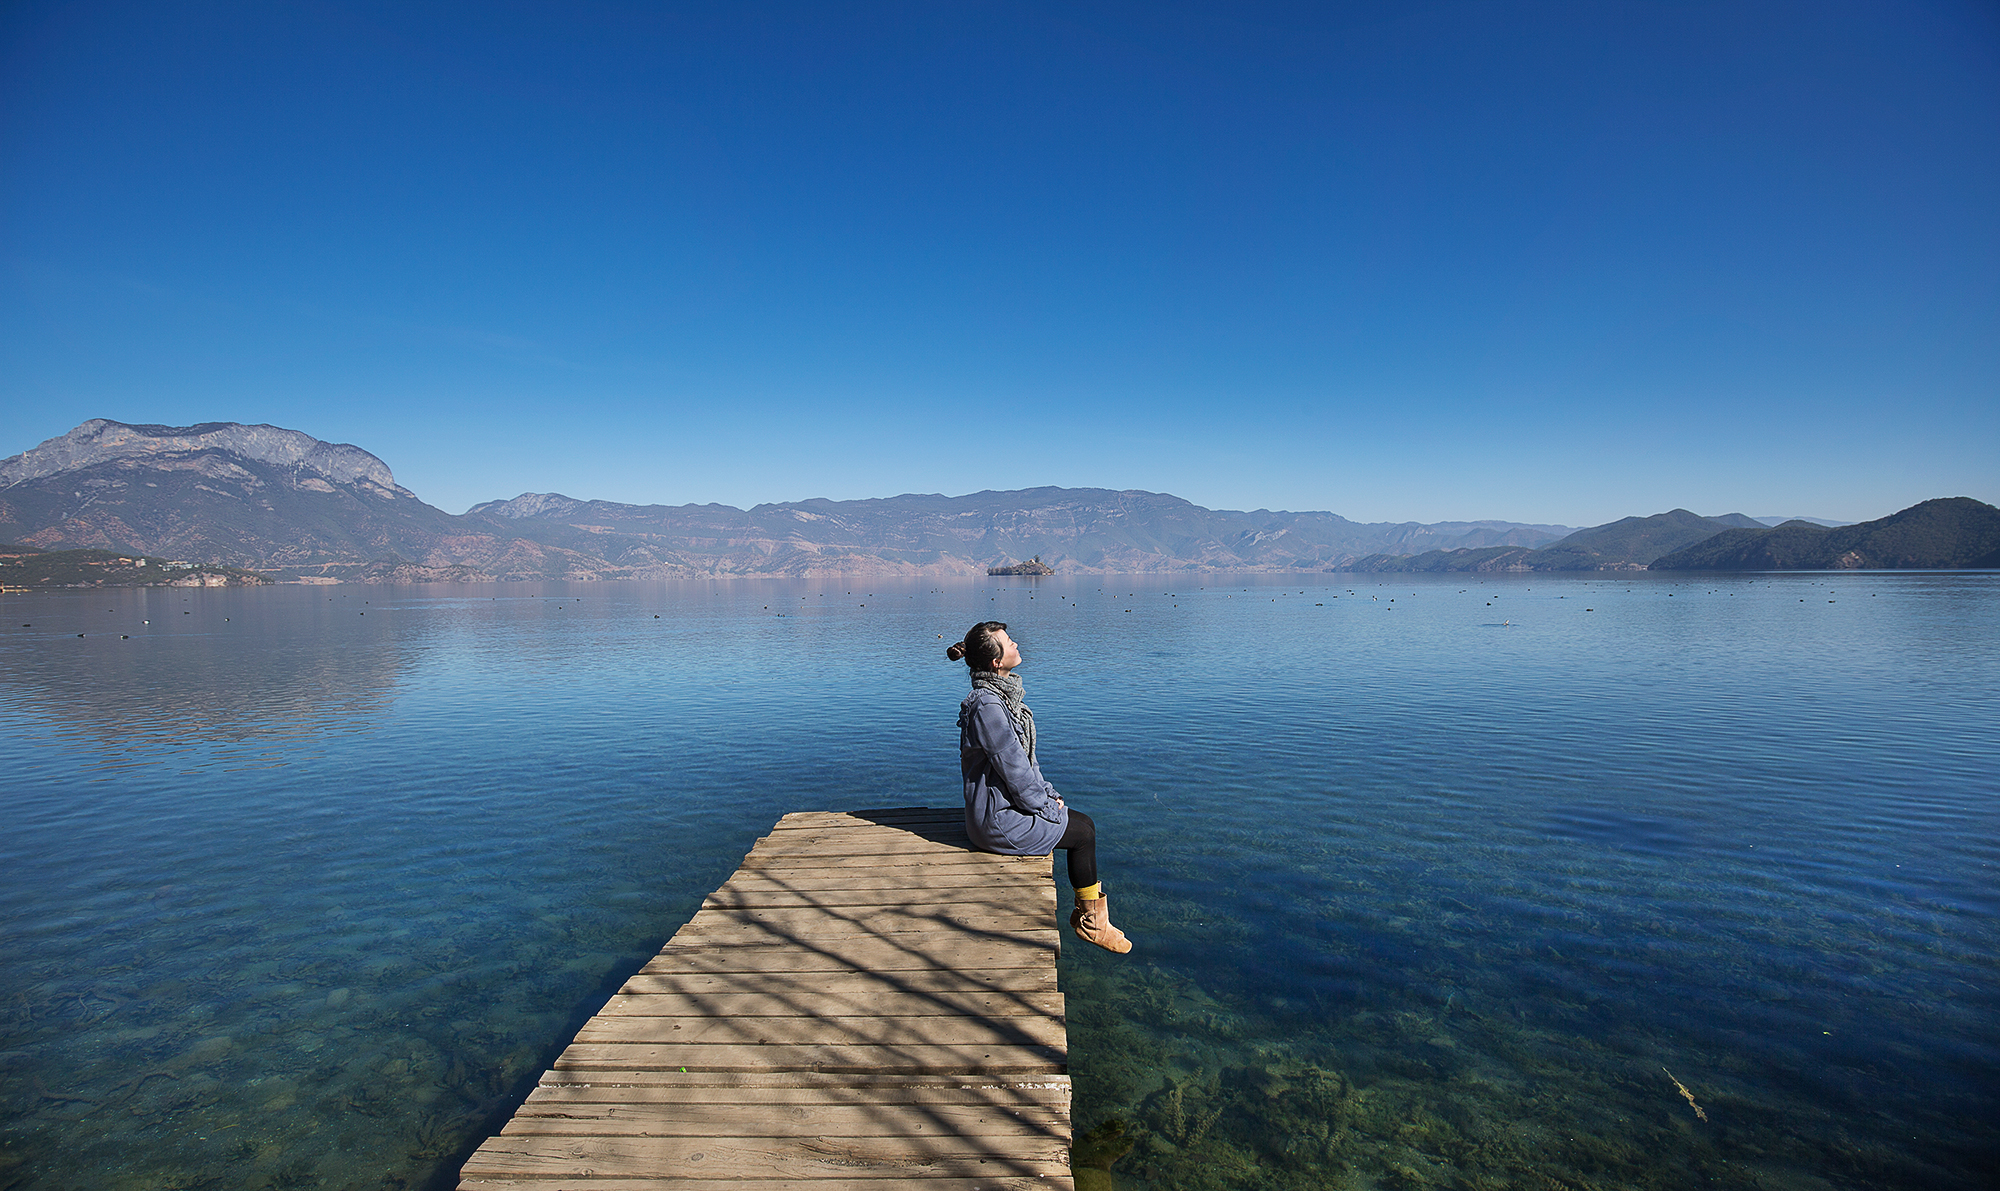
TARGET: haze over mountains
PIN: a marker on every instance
(281, 502)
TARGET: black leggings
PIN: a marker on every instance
(1080, 837)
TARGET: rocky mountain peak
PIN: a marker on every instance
(528, 504)
(101, 440)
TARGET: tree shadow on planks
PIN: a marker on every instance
(818, 1021)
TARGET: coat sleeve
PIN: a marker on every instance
(993, 731)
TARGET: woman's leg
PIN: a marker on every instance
(1080, 840)
(1092, 918)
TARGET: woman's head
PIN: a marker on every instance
(986, 647)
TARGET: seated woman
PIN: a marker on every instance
(1009, 807)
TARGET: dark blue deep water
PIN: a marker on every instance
(1435, 883)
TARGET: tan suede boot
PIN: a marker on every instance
(1091, 920)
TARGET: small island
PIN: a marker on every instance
(1034, 566)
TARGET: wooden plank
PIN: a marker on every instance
(974, 873)
(896, 1003)
(860, 955)
(788, 1087)
(914, 862)
(973, 916)
(809, 1091)
(939, 1029)
(806, 1087)
(992, 1058)
(949, 887)
(1006, 899)
(834, 936)
(797, 1120)
(766, 1158)
(721, 927)
(1016, 981)
(842, 842)
(866, 1002)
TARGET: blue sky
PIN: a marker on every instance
(1541, 262)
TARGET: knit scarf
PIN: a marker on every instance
(1011, 692)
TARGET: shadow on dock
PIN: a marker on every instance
(865, 998)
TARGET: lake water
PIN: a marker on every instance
(1435, 882)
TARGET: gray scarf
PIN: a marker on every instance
(1009, 688)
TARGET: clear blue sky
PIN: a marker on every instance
(1543, 261)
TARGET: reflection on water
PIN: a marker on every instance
(146, 675)
(304, 886)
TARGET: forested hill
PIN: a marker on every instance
(1627, 544)
(1951, 533)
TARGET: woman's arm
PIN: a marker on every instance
(993, 730)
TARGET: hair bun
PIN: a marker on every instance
(955, 651)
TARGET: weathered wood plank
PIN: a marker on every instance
(778, 1103)
(762, 1158)
(991, 1059)
(791, 1088)
(930, 1030)
(897, 1003)
(912, 863)
(781, 984)
(866, 1002)
(983, 898)
(805, 1087)
(794, 1120)
(721, 927)
(973, 887)
(860, 955)
(922, 840)
(883, 920)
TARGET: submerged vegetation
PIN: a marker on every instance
(1484, 1084)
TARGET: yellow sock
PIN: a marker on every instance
(1090, 893)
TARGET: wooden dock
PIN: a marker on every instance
(866, 1003)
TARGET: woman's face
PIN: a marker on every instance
(1010, 653)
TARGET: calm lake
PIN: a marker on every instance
(1434, 882)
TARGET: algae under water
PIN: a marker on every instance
(1463, 896)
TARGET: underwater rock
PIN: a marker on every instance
(1093, 1154)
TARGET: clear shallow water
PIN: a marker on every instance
(303, 891)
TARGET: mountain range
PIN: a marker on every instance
(289, 506)
(1628, 544)
(1947, 534)
(282, 502)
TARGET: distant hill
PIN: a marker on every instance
(25, 566)
(1072, 529)
(283, 503)
(1628, 544)
(1952, 533)
(1820, 521)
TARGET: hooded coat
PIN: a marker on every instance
(1010, 808)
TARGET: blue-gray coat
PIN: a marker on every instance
(1010, 807)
